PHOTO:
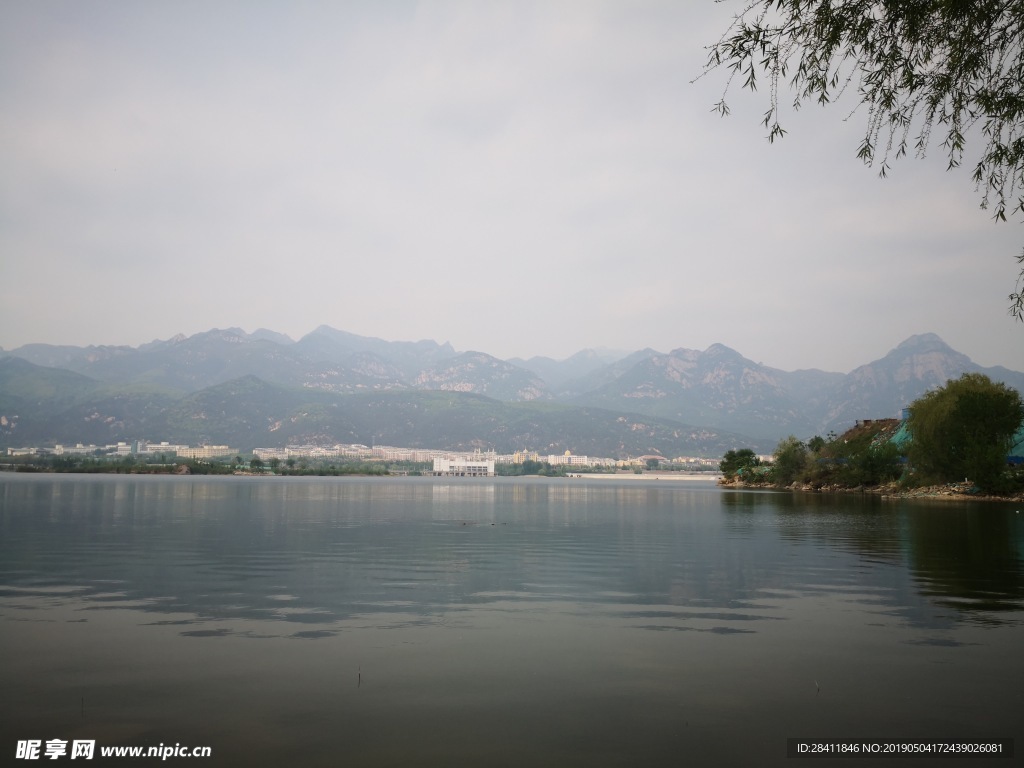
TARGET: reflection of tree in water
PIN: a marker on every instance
(968, 559)
(857, 524)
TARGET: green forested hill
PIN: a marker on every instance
(262, 389)
(249, 413)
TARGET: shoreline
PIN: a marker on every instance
(678, 476)
(946, 492)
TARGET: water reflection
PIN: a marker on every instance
(318, 553)
(965, 557)
(555, 609)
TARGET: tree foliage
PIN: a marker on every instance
(790, 461)
(736, 460)
(530, 467)
(965, 430)
(874, 465)
(916, 67)
(816, 443)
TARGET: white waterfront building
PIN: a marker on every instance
(463, 466)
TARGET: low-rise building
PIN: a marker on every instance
(207, 452)
(462, 466)
(146, 448)
(522, 456)
(568, 459)
(78, 449)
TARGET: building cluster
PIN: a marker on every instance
(348, 452)
(142, 448)
(470, 463)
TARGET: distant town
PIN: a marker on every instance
(444, 462)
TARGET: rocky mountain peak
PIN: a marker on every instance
(923, 342)
(720, 350)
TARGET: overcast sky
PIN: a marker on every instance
(513, 177)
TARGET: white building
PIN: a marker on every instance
(78, 449)
(207, 452)
(147, 448)
(462, 466)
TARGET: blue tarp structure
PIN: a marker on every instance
(902, 435)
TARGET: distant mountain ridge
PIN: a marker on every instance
(270, 388)
(722, 388)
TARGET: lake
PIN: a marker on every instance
(501, 622)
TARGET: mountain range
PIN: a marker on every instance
(264, 389)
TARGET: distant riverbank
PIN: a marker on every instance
(711, 476)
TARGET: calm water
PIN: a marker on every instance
(430, 622)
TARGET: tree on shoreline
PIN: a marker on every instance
(790, 461)
(916, 67)
(965, 430)
(735, 461)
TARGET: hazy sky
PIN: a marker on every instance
(513, 177)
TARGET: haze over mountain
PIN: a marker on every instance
(264, 389)
(520, 178)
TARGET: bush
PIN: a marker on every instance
(876, 465)
(790, 461)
